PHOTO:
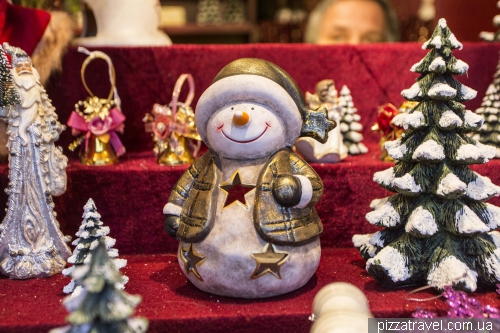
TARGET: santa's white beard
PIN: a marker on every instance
(26, 118)
(24, 80)
(29, 92)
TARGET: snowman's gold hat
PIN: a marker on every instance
(262, 82)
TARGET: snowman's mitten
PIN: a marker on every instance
(171, 224)
(287, 190)
(172, 219)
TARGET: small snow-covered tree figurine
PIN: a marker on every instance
(489, 133)
(90, 232)
(101, 306)
(350, 125)
(437, 226)
(8, 93)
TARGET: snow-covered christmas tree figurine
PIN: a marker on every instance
(101, 306)
(489, 133)
(350, 125)
(244, 212)
(492, 36)
(333, 150)
(438, 228)
(90, 232)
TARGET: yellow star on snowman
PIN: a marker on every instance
(235, 191)
(192, 260)
(268, 261)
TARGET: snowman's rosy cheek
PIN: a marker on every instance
(219, 127)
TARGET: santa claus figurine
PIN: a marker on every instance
(31, 243)
(244, 212)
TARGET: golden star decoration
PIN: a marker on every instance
(235, 191)
(191, 260)
(268, 261)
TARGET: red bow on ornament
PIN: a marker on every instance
(98, 119)
(164, 123)
(386, 113)
(103, 128)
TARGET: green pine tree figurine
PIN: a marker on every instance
(489, 133)
(8, 93)
(90, 232)
(437, 227)
(101, 307)
(492, 36)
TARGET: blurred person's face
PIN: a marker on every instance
(352, 22)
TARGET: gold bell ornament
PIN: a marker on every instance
(96, 121)
(173, 127)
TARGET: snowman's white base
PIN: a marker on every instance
(229, 265)
(227, 271)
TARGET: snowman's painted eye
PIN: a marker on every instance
(252, 108)
(232, 108)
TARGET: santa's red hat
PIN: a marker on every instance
(43, 35)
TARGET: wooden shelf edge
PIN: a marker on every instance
(196, 29)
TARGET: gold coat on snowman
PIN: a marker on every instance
(263, 242)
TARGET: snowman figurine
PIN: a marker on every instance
(244, 212)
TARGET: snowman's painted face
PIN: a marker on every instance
(232, 135)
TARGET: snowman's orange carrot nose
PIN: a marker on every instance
(240, 118)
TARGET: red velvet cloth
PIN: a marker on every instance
(172, 304)
(375, 74)
(130, 195)
(22, 27)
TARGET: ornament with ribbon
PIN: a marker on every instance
(173, 127)
(96, 121)
(387, 128)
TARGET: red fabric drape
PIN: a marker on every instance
(130, 195)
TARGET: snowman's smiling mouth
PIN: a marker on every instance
(244, 141)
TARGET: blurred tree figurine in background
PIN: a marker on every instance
(352, 22)
(492, 36)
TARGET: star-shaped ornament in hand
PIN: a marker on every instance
(268, 261)
(317, 125)
(191, 260)
(235, 191)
